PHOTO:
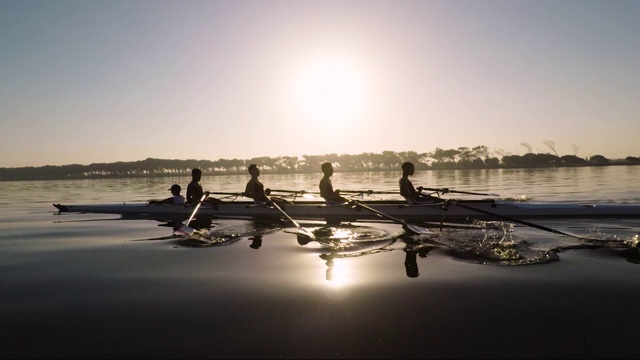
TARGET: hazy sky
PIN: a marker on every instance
(103, 81)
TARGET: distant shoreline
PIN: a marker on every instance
(163, 168)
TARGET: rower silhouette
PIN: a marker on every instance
(195, 191)
(255, 189)
(175, 199)
(326, 188)
(409, 192)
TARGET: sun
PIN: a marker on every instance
(330, 91)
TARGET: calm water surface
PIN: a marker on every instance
(31, 224)
(95, 285)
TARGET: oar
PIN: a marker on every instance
(446, 190)
(185, 229)
(227, 193)
(411, 227)
(233, 195)
(316, 192)
(293, 193)
(301, 231)
(363, 192)
(508, 218)
(289, 191)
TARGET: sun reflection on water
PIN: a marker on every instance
(339, 243)
(339, 274)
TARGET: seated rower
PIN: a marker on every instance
(176, 199)
(255, 189)
(407, 190)
(332, 197)
(195, 191)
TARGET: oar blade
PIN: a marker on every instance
(306, 233)
(184, 230)
(302, 232)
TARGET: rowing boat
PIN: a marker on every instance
(452, 210)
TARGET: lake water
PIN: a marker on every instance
(83, 285)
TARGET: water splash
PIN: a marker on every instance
(349, 238)
(633, 241)
(519, 198)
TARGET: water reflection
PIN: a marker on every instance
(487, 243)
(411, 263)
(348, 241)
(415, 247)
(224, 232)
(483, 242)
(256, 242)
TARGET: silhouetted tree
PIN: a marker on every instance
(572, 160)
(551, 145)
(481, 152)
(461, 158)
(598, 159)
(391, 160)
(443, 156)
(574, 147)
(492, 162)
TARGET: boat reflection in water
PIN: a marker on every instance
(488, 243)
(350, 241)
(410, 261)
(483, 242)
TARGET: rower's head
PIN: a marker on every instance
(196, 174)
(253, 170)
(327, 169)
(408, 168)
(175, 189)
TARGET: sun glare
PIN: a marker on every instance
(338, 275)
(330, 91)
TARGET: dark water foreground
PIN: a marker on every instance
(127, 289)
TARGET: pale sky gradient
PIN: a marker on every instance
(103, 81)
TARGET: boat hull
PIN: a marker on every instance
(454, 211)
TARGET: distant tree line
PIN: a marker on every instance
(477, 157)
